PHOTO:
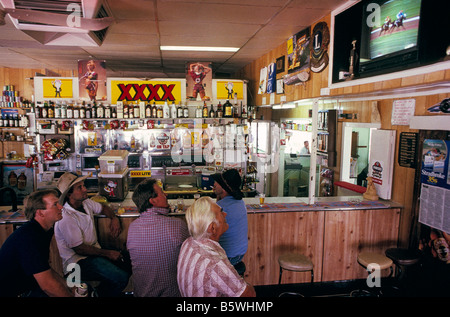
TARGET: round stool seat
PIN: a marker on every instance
(365, 258)
(403, 257)
(295, 262)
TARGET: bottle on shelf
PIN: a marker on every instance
(1, 121)
(12, 178)
(219, 112)
(69, 111)
(198, 112)
(212, 114)
(148, 111)
(130, 111)
(244, 114)
(205, 110)
(228, 109)
(11, 120)
(44, 113)
(137, 111)
(185, 111)
(22, 181)
(94, 110)
(107, 112)
(88, 112)
(179, 111)
(57, 111)
(154, 111)
(166, 110)
(51, 110)
(63, 110)
(173, 110)
(235, 110)
(101, 111)
(125, 110)
(114, 112)
(83, 110)
(159, 113)
(76, 112)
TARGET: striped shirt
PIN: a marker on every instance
(205, 271)
(154, 241)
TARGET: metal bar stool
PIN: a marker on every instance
(295, 262)
(403, 258)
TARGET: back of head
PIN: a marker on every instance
(142, 193)
(199, 216)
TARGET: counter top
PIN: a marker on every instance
(272, 204)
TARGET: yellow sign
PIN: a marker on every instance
(149, 91)
(140, 173)
(226, 89)
(57, 88)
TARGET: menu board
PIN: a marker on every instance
(407, 149)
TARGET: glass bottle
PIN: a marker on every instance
(22, 181)
(154, 111)
(228, 110)
(212, 114)
(185, 111)
(219, 113)
(148, 111)
(179, 111)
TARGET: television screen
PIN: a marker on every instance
(389, 27)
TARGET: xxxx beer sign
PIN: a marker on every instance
(147, 91)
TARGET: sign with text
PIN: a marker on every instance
(148, 91)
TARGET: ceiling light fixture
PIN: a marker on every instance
(199, 48)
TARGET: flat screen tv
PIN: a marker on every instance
(390, 36)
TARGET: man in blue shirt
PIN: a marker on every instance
(229, 196)
(24, 267)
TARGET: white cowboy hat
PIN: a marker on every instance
(65, 182)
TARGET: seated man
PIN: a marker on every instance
(24, 267)
(154, 242)
(77, 239)
(203, 267)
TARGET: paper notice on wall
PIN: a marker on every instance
(435, 207)
(402, 111)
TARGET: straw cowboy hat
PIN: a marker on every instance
(65, 182)
(230, 180)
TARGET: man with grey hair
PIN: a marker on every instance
(202, 254)
(24, 267)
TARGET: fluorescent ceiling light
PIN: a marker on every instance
(199, 48)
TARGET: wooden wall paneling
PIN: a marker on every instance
(349, 232)
(272, 234)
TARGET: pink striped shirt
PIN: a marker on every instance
(205, 271)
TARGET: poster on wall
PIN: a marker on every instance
(298, 51)
(54, 88)
(20, 179)
(199, 81)
(319, 47)
(92, 80)
(229, 89)
(435, 185)
(262, 81)
(271, 78)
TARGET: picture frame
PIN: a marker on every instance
(280, 64)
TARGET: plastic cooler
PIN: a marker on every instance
(113, 161)
(113, 186)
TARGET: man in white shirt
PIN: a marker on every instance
(77, 239)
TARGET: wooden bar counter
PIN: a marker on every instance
(331, 233)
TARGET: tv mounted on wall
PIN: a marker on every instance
(389, 35)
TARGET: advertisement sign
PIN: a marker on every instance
(298, 49)
(92, 80)
(435, 161)
(229, 89)
(148, 91)
(53, 88)
(199, 81)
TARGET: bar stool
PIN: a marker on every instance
(295, 262)
(367, 258)
(403, 258)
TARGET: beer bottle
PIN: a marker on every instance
(205, 110)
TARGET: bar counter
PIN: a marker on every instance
(330, 232)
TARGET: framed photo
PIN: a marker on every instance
(280, 86)
(280, 64)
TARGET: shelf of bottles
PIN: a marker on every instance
(326, 137)
(10, 103)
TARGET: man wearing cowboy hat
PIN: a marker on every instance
(229, 196)
(77, 239)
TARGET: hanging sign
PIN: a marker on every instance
(54, 88)
(319, 47)
(229, 89)
(147, 91)
(92, 79)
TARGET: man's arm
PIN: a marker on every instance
(249, 291)
(85, 249)
(114, 226)
(52, 284)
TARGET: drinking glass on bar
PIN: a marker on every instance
(261, 199)
(180, 204)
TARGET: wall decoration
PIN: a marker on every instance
(319, 47)
(262, 81)
(280, 64)
(228, 89)
(54, 88)
(442, 107)
(199, 80)
(149, 91)
(92, 79)
(299, 51)
(272, 77)
(280, 86)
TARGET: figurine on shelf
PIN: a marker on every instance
(371, 192)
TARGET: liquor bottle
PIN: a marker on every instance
(94, 110)
(244, 114)
(185, 111)
(88, 111)
(16, 120)
(11, 121)
(69, 111)
(137, 111)
(166, 110)
(205, 110)
(114, 112)
(179, 111)
(107, 112)
(22, 181)
(212, 114)
(159, 113)
(57, 111)
(5, 121)
(76, 112)
(83, 110)
(148, 111)
(45, 111)
(154, 111)
(198, 112)
(63, 111)
(100, 111)
(173, 110)
(228, 110)
(51, 110)
(125, 110)
(131, 111)
(1, 121)
(219, 112)
(235, 110)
